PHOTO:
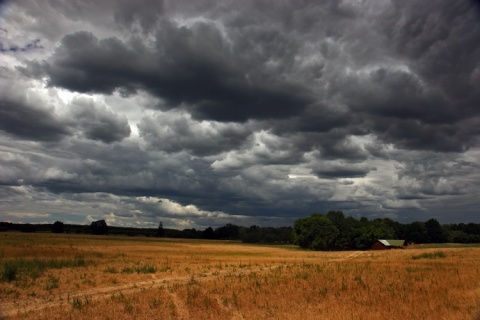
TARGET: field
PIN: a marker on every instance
(51, 276)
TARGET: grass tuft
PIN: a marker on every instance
(430, 255)
(52, 283)
(9, 271)
(146, 268)
(111, 270)
(78, 303)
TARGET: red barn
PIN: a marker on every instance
(388, 244)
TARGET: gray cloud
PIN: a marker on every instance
(32, 45)
(25, 115)
(434, 99)
(27, 122)
(227, 70)
(258, 112)
(343, 171)
(190, 67)
(28, 115)
(97, 123)
(175, 132)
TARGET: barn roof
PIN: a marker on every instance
(393, 243)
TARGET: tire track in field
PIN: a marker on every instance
(180, 308)
(34, 304)
(31, 305)
(353, 255)
(236, 315)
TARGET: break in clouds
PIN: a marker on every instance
(202, 113)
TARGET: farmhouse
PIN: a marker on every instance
(388, 244)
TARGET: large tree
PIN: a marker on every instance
(58, 227)
(316, 232)
(435, 232)
(99, 227)
(415, 232)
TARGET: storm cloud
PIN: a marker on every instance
(201, 113)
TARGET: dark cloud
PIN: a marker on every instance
(428, 101)
(83, 63)
(178, 132)
(61, 15)
(193, 68)
(431, 177)
(28, 115)
(228, 70)
(397, 94)
(342, 171)
(97, 123)
(412, 134)
(144, 13)
(27, 122)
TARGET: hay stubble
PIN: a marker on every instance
(186, 279)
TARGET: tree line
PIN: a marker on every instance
(252, 234)
(334, 231)
(331, 231)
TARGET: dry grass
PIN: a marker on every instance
(146, 278)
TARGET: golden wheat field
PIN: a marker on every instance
(51, 276)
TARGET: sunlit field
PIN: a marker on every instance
(50, 276)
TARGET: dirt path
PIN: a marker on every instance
(29, 305)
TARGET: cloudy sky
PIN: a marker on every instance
(200, 113)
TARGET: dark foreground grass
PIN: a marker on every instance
(13, 269)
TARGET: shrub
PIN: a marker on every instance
(51, 283)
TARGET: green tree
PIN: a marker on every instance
(415, 232)
(346, 228)
(28, 228)
(473, 228)
(229, 231)
(435, 233)
(253, 235)
(457, 236)
(58, 227)
(160, 230)
(208, 233)
(370, 233)
(316, 232)
(99, 227)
